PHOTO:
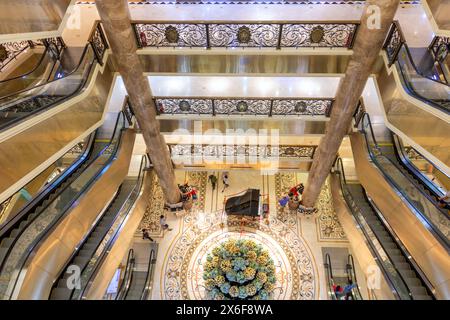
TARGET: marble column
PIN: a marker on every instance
(366, 49)
(116, 21)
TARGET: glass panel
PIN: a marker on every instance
(24, 103)
(90, 269)
(434, 93)
(54, 211)
(383, 258)
(432, 214)
(11, 207)
(39, 74)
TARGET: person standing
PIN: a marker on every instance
(213, 179)
(163, 223)
(146, 235)
(225, 180)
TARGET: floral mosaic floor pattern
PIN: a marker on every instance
(296, 272)
(328, 226)
(150, 221)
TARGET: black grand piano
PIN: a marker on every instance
(246, 204)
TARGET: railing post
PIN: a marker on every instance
(155, 101)
(354, 34)
(208, 44)
(279, 37)
(213, 108)
(136, 35)
(328, 111)
(271, 107)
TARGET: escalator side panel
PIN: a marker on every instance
(23, 155)
(425, 129)
(122, 244)
(57, 248)
(428, 253)
(357, 242)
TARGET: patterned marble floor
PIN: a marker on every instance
(294, 241)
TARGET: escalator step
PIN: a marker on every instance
(418, 290)
(413, 281)
(398, 259)
(3, 252)
(89, 247)
(14, 233)
(60, 294)
(422, 297)
(394, 252)
(81, 260)
(23, 224)
(6, 242)
(390, 245)
(403, 266)
(84, 253)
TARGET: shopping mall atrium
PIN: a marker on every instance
(224, 150)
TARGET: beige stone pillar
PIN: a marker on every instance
(116, 21)
(369, 42)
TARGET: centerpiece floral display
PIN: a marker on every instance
(239, 270)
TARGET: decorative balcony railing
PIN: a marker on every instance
(246, 34)
(244, 106)
(394, 42)
(98, 42)
(440, 47)
(10, 50)
(179, 151)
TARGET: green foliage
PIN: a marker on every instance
(239, 269)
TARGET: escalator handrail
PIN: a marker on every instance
(401, 167)
(43, 56)
(42, 195)
(329, 274)
(409, 86)
(404, 158)
(128, 285)
(422, 217)
(119, 211)
(86, 47)
(36, 242)
(113, 239)
(351, 263)
(149, 278)
(403, 42)
(80, 244)
(349, 199)
(127, 275)
(54, 80)
(402, 247)
(59, 101)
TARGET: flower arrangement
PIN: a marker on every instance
(238, 270)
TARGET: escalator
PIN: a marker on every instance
(45, 182)
(18, 106)
(92, 253)
(24, 235)
(16, 221)
(401, 272)
(421, 180)
(423, 85)
(40, 73)
(95, 243)
(416, 193)
(127, 277)
(137, 284)
(342, 288)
